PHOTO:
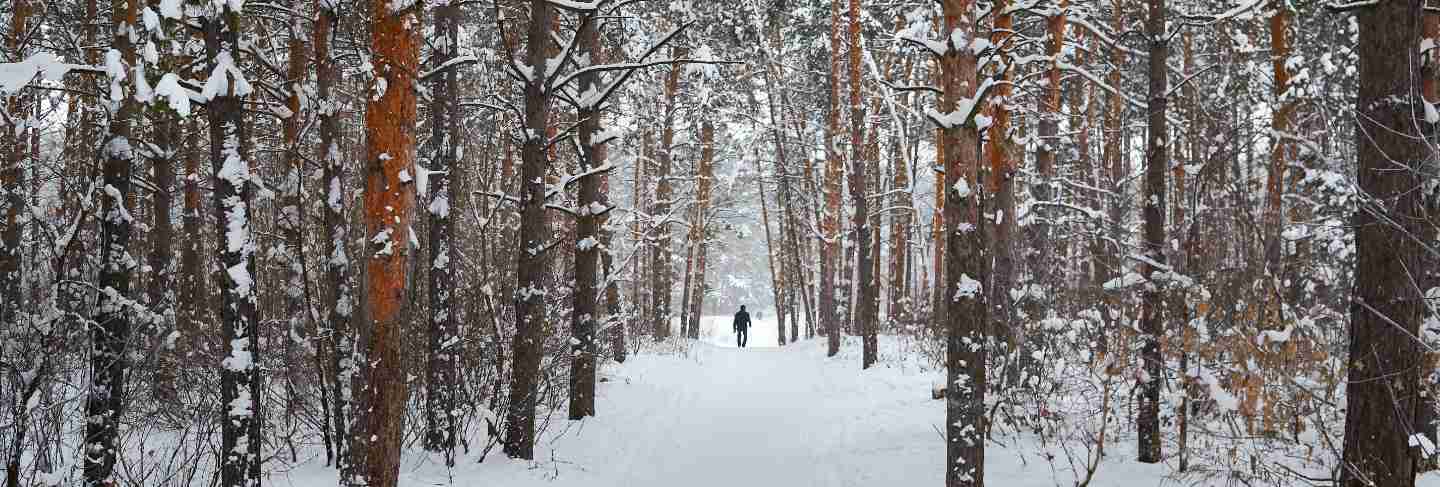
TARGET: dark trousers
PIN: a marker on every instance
(741, 335)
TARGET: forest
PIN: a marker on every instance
(391, 243)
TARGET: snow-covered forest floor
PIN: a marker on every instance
(705, 413)
(710, 414)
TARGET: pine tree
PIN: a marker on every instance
(240, 387)
(389, 213)
(12, 181)
(1387, 307)
(111, 333)
(442, 382)
(866, 293)
(531, 259)
(706, 176)
(966, 319)
(832, 254)
(1157, 165)
(340, 299)
(585, 316)
(661, 269)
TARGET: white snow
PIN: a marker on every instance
(170, 90)
(1122, 282)
(143, 92)
(1275, 336)
(221, 76)
(170, 9)
(115, 69)
(961, 188)
(241, 276)
(706, 414)
(1423, 442)
(576, 6)
(151, 19)
(14, 76)
(966, 288)
(440, 206)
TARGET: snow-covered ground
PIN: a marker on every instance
(716, 415)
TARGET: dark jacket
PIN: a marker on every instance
(742, 321)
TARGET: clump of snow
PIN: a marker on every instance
(170, 9)
(240, 275)
(961, 188)
(1125, 281)
(143, 92)
(223, 76)
(967, 288)
(48, 66)
(440, 206)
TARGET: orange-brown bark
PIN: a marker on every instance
(389, 211)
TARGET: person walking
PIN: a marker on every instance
(742, 327)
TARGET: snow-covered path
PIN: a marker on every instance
(715, 415)
(767, 417)
(722, 416)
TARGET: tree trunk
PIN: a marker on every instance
(231, 173)
(162, 254)
(111, 332)
(965, 256)
(390, 118)
(777, 279)
(865, 298)
(1187, 259)
(292, 224)
(1280, 152)
(169, 135)
(939, 306)
(707, 164)
(1001, 187)
(781, 281)
(584, 317)
(900, 221)
(1152, 328)
(1110, 175)
(1425, 413)
(613, 322)
(442, 403)
(1273, 220)
(639, 234)
(12, 182)
(1387, 308)
(341, 299)
(531, 256)
(692, 223)
(831, 255)
(660, 268)
(1041, 254)
(801, 273)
